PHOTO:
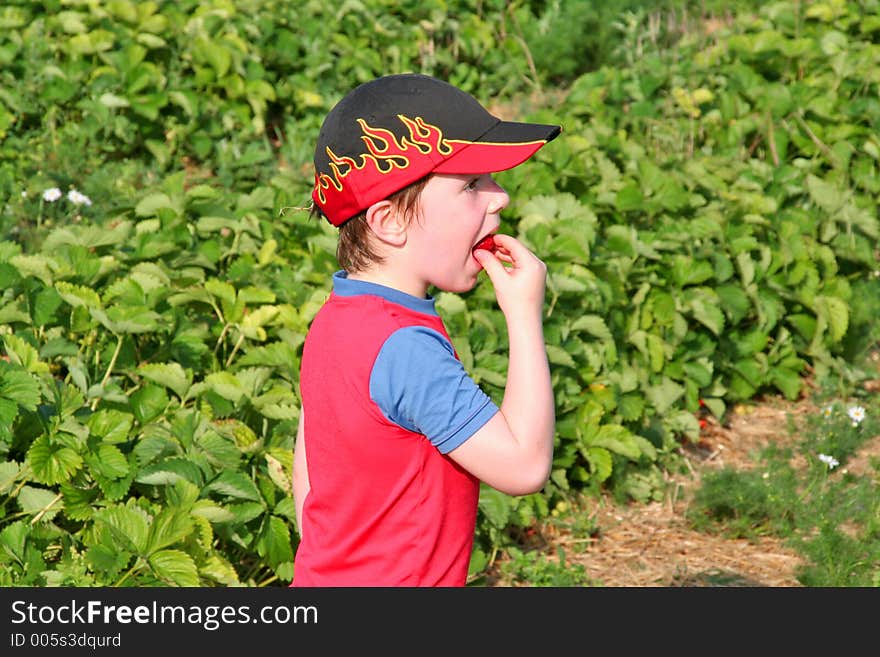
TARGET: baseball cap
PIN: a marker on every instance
(392, 131)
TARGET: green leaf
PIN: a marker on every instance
(33, 501)
(14, 312)
(111, 425)
(833, 311)
(170, 375)
(152, 203)
(734, 302)
(38, 266)
(13, 541)
(213, 53)
(664, 394)
(629, 198)
(617, 439)
(168, 527)
(804, 324)
(212, 511)
(751, 370)
(52, 463)
(113, 101)
(107, 461)
(18, 386)
(235, 484)
(107, 559)
(8, 474)
(226, 385)
(496, 506)
(8, 413)
(559, 356)
(256, 295)
(683, 423)
(78, 502)
(594, 325)
(491, 377)
(631, 406)
(246, 511)
(600, 461)
(786, 381)
(127, 319)
(651, 347)
(687, 271)
(148, 403)
(279, 472)
(219, 570)
(252, 323)
(23, 354)
(222, 290)
(286, 508)
(174, 567)
(129, 525)
(274, 542)
(169, 471)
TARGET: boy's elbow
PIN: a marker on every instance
(529, 482)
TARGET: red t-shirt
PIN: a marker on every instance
(385, 506)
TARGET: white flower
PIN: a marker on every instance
(52, 194)
(856, 414)
(827, 411)
(78, 198)
(830, 461)
(24, 193)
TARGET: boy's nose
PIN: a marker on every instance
(500, 198)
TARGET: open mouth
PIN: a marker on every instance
(487, 243)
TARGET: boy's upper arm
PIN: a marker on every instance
(419, 384)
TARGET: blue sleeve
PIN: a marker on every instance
(419, 384)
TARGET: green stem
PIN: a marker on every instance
(220, 339)
(234, 350)
(267, 581)
(126, 575)
(109, 368)
(43, 511)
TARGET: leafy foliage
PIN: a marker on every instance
(707, 219)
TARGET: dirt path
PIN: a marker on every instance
(651, 544)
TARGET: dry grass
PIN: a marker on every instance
(651, 545)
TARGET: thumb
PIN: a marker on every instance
(490, 263)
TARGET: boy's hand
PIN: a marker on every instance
(519, 287)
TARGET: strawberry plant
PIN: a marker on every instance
(707, 218)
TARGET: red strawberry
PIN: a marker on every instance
(487, 244)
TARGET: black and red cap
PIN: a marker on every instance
(392, 131)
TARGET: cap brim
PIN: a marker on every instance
(504, 146)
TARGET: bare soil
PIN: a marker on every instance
(652, 545)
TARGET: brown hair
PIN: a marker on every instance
(354, 250)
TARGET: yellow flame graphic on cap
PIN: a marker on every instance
(384, 152)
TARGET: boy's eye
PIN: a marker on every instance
(472, 184)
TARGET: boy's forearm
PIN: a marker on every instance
(528, 404)
(300, 472)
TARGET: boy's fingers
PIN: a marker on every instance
(510, 244)
(490, 262)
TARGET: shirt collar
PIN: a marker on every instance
(344, 286)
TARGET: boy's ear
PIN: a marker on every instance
(387, 223)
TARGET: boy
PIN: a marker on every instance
(394, 436)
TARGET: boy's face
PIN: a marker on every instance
(455, 212)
